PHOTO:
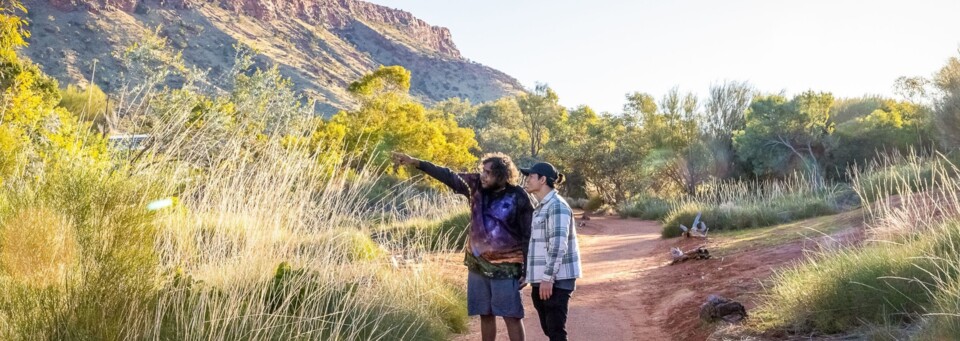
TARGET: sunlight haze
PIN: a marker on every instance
(595, 52)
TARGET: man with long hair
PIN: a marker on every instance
(499, 234)
(553, 261)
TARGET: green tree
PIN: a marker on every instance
(620, 158)
(779, 133)
(849, 109)
(913, 89)
(34, 131)
(724, 114)
(573, 150)
(675, 127)
(390, 119)
(150, 61)
(674, 105)
(13, 30)
(606, 151)
(385, 80)
(673, 136)
(461, 109)
(541, 111)
(639, 104)
(892, 126)
(947, 104)
(726, 108)
(498, 125)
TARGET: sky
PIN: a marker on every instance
(595, 52)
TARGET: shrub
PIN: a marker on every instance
(577, 203)
(100, 228)
(646, 207)
(593, 203)
(90, 104)
(354, 245)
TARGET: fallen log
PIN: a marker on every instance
(679, 256)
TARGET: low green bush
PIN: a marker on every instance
(647, 208)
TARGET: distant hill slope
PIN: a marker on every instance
(321, 45)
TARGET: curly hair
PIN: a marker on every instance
(502, 168)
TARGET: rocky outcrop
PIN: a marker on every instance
(332, 14)
(330, 44)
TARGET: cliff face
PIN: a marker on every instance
(322, 45)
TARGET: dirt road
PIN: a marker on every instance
(612, 301)
(628, 292)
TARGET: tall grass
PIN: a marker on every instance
(732, 205)
(895, 173)
(427, 234)
(905, 273)
(266, 239)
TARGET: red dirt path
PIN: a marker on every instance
(628, 291)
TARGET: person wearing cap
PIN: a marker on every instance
(499, 234)
(553, 259)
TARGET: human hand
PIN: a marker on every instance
(403, 159)
(523, 282)
(546, 290)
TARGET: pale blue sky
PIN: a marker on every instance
(594, 52)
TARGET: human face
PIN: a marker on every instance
(487, 180)
(533, 183)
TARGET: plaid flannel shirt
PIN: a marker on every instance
(553, 253)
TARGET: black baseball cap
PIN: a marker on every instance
(542, 169)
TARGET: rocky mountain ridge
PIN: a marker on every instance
(322, 45)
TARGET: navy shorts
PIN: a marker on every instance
(497, 297)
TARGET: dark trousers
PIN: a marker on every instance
(553, 312)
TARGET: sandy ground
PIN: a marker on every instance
(629, 292)
(607, 304)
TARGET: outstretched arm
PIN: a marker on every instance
(445, 175)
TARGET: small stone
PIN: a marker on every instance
(721, 308)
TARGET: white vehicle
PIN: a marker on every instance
(128, 142)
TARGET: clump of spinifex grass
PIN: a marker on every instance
(905, 273)
(733, 205)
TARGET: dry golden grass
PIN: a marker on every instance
(38, 247)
